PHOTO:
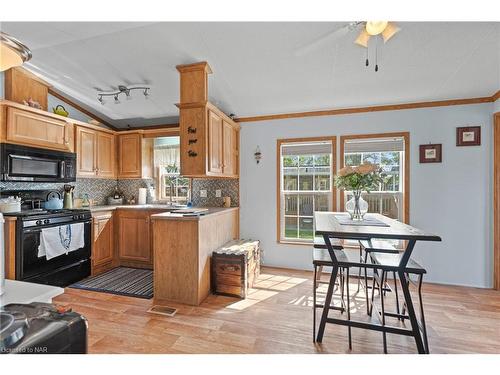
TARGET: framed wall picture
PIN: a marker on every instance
(469, 136)
(430, 153)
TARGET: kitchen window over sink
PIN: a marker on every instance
(171, 186)
(305, 185)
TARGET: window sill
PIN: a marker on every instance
(308, 243)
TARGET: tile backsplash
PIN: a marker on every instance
(99, 189)
(229, 188)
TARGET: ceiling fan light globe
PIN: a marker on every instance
(12, 52)
(363, 39)
(391, 30)
(375, 27)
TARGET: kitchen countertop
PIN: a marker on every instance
(212, 211)
(153, 206)
(23, 292)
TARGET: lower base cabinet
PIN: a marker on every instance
(103, 242)
(134, 238)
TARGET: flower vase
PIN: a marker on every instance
(357, 207)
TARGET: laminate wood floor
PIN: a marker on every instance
(277, 318)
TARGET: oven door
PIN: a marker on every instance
(70, 267)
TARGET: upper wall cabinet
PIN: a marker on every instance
(96, 153)
(21, 85)
(209, 139)
(32, 129)
(135, 156)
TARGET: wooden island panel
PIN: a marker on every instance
(182, 250)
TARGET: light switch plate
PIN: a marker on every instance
(203, 193)
(218, 193)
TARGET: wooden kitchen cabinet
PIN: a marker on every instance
(209, 139)
(106, 155)
(209, 142)
(95, 153)
(135, 156)
(103, 242)
(215, 143)
(230, 147)
(134, 237)
(36, 130)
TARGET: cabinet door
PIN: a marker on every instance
(129, 159)
(105, 155)
(214, 143)
(32, 129)
(102, 250)
(230, 149)
(86, 152)
(134, 236)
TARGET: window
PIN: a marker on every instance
(304, 186)
(390, 153)
(171, 186)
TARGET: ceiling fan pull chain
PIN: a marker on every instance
(376, 56)
(367, 62)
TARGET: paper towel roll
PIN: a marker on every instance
(143, 192)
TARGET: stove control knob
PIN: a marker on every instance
(46, 221)
(38, 222)
(75, 217)
(82, 216)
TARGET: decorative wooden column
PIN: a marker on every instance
(193, 117)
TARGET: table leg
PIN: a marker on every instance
(411, 312)
(328, 301)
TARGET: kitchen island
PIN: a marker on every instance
(182, 248)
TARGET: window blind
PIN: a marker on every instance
(311, 148)
(374, 145)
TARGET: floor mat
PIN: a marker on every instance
(124, 281)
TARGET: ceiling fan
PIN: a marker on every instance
(369, 29)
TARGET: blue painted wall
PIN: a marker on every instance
(452, 199)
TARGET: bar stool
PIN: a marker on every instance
(377, 246)
(390, 262)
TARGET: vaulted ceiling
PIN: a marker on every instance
(259, 68)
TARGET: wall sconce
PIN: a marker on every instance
(257, 154)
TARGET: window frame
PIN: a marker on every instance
(333, 166)
(405, 169)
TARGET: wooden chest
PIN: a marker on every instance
(235, 267)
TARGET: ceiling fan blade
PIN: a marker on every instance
(363, 38)
(390, 30)
(324, 39)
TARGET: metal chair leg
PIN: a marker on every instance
(422, 317)
(359, 269)
(348, 308)
(382, 304)
(314, 303)
(368, 309)
(396, 291)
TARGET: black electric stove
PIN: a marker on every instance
(31, 220)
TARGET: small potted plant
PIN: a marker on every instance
(364, 177)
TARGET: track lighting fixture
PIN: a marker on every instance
(123, 90)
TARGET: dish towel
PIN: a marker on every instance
(61, 240)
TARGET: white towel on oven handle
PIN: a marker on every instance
(61, 240)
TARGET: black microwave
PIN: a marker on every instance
(31, 164)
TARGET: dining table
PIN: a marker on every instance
(338, 225)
